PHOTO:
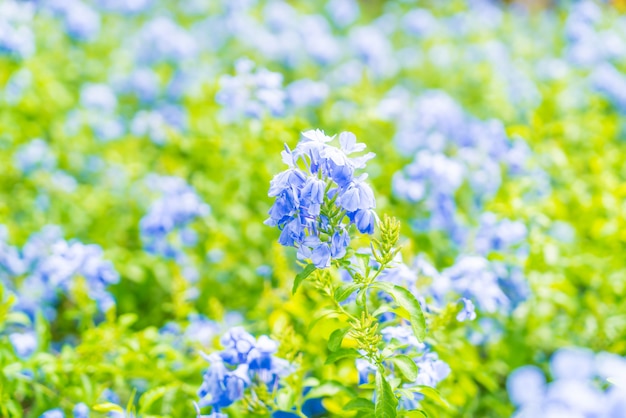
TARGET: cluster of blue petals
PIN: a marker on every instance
(584, 384)
(319, 196)
(244, 361)
(44, 271)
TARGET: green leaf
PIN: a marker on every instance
(359, 404)
(335, 339)
(406, 366)
(329, 388)
(150, 397)
(416, 413)
(343, 292)
(327, 313)
(131, 400)
(383, 309)
(310, 268)
(409, 303)
(386, 401)
(107, 407)
(432, 394)
(342, 353)
(361, 297)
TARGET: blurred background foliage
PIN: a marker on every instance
(576, 225)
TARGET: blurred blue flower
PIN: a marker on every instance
(467, 313)
(305, 92)
(98, 97)
(24, 343)
(34, 155)
(53, 413)
(125, 6)
(178, 206)
(81, 21)
(574, 390)
(250, 94)
(610, 83)
(81, 410)
(162, 40)
(17, 37)
(343, 12)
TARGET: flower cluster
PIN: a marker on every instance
(162, 40)
(35, 155)
(493, 286)
(178, 206)
(16, 33)
(610, 83)
(577, 389)
(589, 45)
(98, 111)
(319, 196)
(499, 236)
(244, 362)
(251, 94)
(450, 148)
(80, 20)
(44, 271)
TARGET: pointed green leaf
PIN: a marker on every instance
(416, 413)
(433, 395)
(359, 404)
(406, 366)
(107, 407)
(131, 400)
(335, 339)
(342, 353)
(405, 299)
(326, 313)
(328, 388)
(344, 291)
(386, 401)
(310, 268)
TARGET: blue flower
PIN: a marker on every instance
(35, 155)
(177, 208)
(303, 93)
(17, 37)
(53, 413)
(81, 411)
(125, 6)
(365, 220)
(143, 83)
(162, 40)
(343, 12)
(24, 343)
(313, 203)
(472, 277)
(403, 335)
(357, 196)
(574, 390)
(467, 313)
(609, 82)
(81, 21)
(250, 94)
(232, 370)
(339, 243)
(525, 385)
(432, 370)
(98, 97)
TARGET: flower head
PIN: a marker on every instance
(318, 197)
